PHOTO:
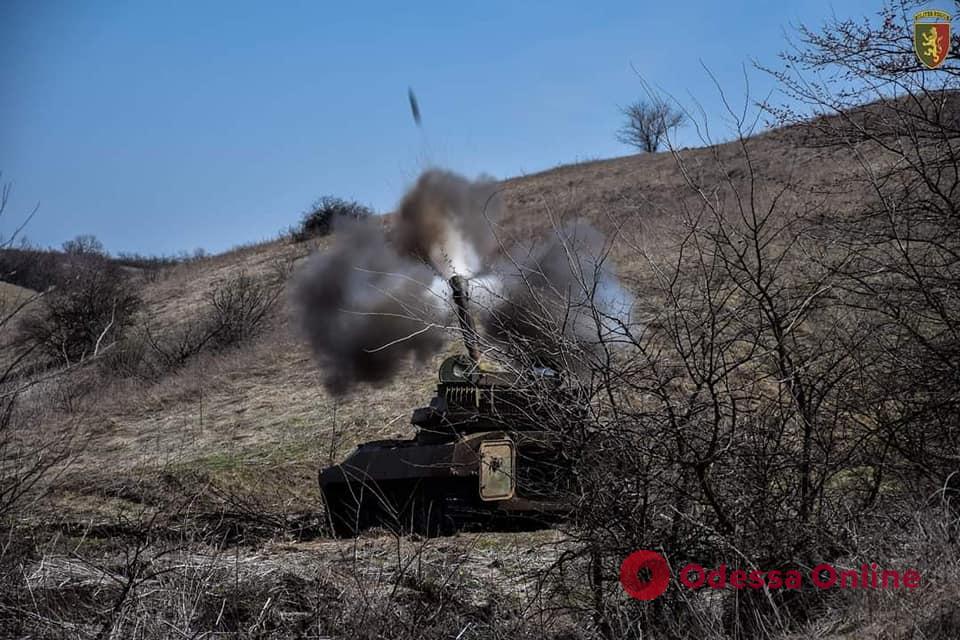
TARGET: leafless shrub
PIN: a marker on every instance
(320, 218)
(148, 356)
(85, 313)
(236, 311)
(239, 306)
(791, 395)
(30, 267)
(901, 246)
(30, 459)
(24, 462)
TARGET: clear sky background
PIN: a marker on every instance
(168, 126)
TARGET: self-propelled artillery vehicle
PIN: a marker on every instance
(480, 456)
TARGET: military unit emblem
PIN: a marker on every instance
(931, 37)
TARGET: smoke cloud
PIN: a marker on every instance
(560, 291)
(365, 308)
(446, 219)
(372, 301)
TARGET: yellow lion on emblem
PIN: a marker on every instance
(931, 42)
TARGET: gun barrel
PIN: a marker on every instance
(461, 299)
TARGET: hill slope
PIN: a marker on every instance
(246, 415)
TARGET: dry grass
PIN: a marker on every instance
(12, 295)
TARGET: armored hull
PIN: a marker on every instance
(478, 458)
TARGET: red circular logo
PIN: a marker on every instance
(653, 584)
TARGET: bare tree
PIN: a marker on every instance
(84, 244)
(648, 124)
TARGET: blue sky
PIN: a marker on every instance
(161, 127)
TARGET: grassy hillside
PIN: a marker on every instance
(258, 416)
(244, 413)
